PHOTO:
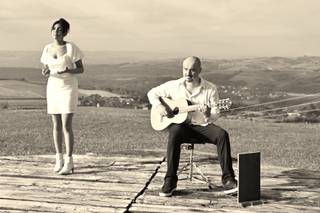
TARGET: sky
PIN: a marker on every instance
(206, 28)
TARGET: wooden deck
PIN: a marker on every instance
(130, 183)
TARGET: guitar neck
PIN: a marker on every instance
(189, 108)
(223, 105)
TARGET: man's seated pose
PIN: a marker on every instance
(195, 90)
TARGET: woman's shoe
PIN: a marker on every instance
(59, 162)
(67, 167)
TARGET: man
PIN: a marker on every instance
(197, 91)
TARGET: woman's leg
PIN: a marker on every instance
(57, 138)
(68, 133)
(57, 132)
(68, 139)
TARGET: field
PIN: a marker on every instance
(113, 130)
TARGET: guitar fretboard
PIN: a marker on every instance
(223, 104)
(189, 108)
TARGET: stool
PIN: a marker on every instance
(190, 147)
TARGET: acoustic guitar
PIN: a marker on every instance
(179, 112)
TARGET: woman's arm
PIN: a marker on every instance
(79, 68)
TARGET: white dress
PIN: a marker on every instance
(62, 89)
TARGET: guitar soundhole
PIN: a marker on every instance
(175, 111)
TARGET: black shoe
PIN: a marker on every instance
(230, 186)
(168, 188)
(230, 183)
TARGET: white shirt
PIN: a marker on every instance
(205, 93)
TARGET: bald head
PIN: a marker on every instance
(192, 60)
(191, 69)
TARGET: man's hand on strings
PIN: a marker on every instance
(206, 110)
(164, 111)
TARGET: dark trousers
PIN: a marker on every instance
(181, 133)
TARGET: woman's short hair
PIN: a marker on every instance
(64, 24)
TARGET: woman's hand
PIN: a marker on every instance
(45, 71)
(64, 71)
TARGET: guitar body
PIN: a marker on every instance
(159, 122)
(180, 109)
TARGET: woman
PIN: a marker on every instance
(62, 60)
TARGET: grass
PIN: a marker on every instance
(21, 89)
(111, 130)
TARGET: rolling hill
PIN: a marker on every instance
(252, 77)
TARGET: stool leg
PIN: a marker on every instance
(204, 178)
(191, 165)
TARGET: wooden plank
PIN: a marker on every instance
(100, 184)
(181, 209)
(47, 182)
(68, 198)
(107, 178)
(26, 205)
(282, 208)
(58, 193)
(168, 208)
(188, 201)
(248, 177)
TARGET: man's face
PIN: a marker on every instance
(191, 70)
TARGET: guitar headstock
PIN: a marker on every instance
(224, 104)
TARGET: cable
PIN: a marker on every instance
(279, 108)
(272, 102)
(303, 111)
